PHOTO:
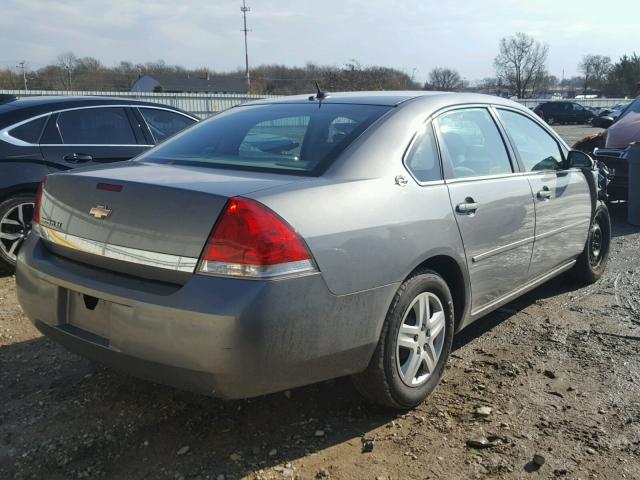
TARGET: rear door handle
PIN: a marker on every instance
(544, 194)
(77, 158)
(468, 206)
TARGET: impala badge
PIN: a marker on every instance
(100, 212)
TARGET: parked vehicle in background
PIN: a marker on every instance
(558, 112)
(615, 154)
(607, 116)
(290, 241)
(42, 135)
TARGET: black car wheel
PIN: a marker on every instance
(592, 263)
(16, 214)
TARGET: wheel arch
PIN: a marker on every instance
(454, 273)
(19, 189)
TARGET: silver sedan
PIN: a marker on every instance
(295, 240)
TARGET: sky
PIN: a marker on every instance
(408, 35)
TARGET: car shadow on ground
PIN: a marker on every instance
(619, 222)
(133, 421)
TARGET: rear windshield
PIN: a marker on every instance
(284, 138)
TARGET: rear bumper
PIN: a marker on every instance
(224, 337)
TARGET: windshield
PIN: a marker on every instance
(282, 138)
(631, 107)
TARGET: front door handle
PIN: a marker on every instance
(469, 206)
(77, 158)
(544, 194)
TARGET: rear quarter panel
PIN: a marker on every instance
(21, 169)
(370, 232)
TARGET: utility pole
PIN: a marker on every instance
(244, 9)
(21, 65)
(69, 75)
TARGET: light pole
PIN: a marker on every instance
(244, 9)
(21, 65)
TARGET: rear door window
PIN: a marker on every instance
(423, 160)
(537, 149)
(96, 126)
(472, 143)
(164, 123)
(301, 138)
(29, 132)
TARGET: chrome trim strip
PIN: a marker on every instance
(166, 261)
(526, 287)
(4, 133)
(95, 145)
(525, 241)
(504, 248)
(555, 231)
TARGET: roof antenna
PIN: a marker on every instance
(320, 95)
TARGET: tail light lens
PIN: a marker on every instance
(36, 208)
(252, 241)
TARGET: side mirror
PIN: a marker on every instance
(578, 159)
(606, 122)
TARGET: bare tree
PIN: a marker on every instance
(595, 69)
(67, 61)
(521, 64)
(444, 79)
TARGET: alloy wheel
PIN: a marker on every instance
(420, 339)
(15, 225)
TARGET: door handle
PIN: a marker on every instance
(469, 206)
(544, 194)
(77, 158)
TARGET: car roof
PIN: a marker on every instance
(26, 107)
(390, 98)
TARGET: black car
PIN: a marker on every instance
(563, 112)
(42, 135)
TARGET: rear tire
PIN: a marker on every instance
(551, 121)
(16, 214)
(592, 262)
(414, 344)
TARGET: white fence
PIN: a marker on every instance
(202, 105)
(206, 104)
(588, 102)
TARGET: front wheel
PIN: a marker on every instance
(592, 263)
(16, 214)
(414, 344)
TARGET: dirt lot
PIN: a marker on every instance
(559, 370)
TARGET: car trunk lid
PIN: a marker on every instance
(135, 214)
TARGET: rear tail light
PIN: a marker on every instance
(36, 208)
(252, 241)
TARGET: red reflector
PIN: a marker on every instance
(110, 187)
(250, 234)
(36, 208)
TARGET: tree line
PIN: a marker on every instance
(520, 67)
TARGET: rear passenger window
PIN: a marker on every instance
(29, 132)
(96, 126)
(164, 123)
(422, 160)
(536, 148)
(471, 142)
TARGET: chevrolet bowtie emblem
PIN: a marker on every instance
(100, 212)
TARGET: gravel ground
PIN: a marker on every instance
(572, 133)
(552, 378)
